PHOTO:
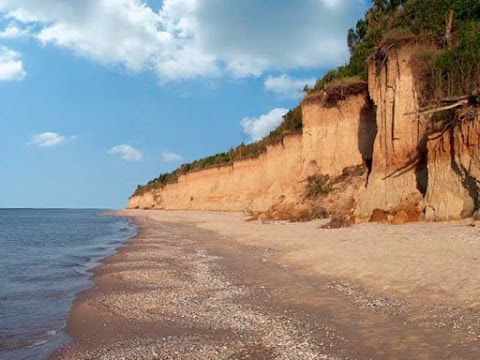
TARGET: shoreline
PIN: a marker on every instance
(198, 285)
(73, 329)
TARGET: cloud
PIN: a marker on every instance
(170, 156)
(12, 31)
(286, 86)
(126, 152)
(191, 38)
(332, 4)
(252, 37)
(258, 128)
(47, 139)
(11, 66)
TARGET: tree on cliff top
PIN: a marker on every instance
(399, 20)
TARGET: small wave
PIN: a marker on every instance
(115, 242)
(40, 343)
(51, 334)
(79, 258)
(80, 272)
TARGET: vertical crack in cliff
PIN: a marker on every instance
(367, 136)
(395, 87)
(421, 167)
(383, 114)
(468, 181)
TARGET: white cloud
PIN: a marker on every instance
(12, 31)
(252, 36)
(126, 152)
(170, 156)
(333, 4)
(191, 38)
(258, 128)
(47, 139)
(286, 86)
(11, 66)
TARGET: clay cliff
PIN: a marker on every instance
(397, 175)
(454, 172)
(365, 155)
(277, 178)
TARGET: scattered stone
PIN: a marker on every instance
(400, 218)
(339, 221)
(379, 215)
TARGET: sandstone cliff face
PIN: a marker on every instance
(395, 176)
(454, 172)
(252, 184)
(337, 136)
(277, 178)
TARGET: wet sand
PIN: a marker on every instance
(196, 285)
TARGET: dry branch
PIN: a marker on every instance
(430, 110)
(456, 98)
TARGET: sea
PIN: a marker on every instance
(45, 261)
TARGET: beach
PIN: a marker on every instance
(204, 285)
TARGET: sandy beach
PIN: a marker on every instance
(202, 285)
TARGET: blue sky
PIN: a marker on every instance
(101, 95)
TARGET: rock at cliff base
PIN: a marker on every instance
(339, 221)
(379, 215)
(400, 218)
(253, 217)
(476, 216)
(413, 211)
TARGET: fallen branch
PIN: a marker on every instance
(430, 110)
(444, 108)
(456, 98)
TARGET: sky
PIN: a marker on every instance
(99, 96)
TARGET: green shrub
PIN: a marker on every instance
(457, 70)
(318, 185)
(391, 21)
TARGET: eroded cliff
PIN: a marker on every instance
(277, 178)
(369, 155)
(251, 184)
(397, 175)
(454, 172)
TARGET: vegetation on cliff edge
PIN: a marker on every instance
(452, 27)
(291, 124)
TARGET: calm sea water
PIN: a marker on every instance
(45, 258)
